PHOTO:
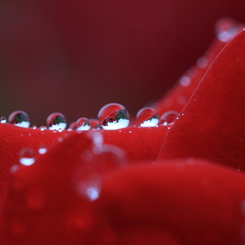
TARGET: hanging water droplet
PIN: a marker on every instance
(90, 172)
(113, 116)
(82, 124)
(147, 117)
(27, 156)
(20, 119)
(56, 121)
(3, 120)
(226, 29)
(168, 117)
(42, 149)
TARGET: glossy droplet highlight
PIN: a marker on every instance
(3, 119)
(42, 149)
(147, 117)
(27, 156)
(82, 124)
(226, 29)
(168, 117)
(56, 121)
(113, 116)
(19, 118)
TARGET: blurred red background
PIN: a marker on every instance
(75, 56)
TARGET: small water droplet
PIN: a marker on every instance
(185, 81)
(42, 128)
(56, 121)
(94, 124)
(34, 127)
(226, 29)
(3, 119)
(72, 126)
(147, 117)
(27, 156)
(202, 62)
(42, 149)
(168, 117)
(60, 139)
(14, 168)
(82, 124)
(20, 119)
(113, 116)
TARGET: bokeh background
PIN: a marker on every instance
(74, 56)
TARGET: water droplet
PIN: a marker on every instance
(42, 128)
(82, 124)
(20, 119)
(226, 29)
(90, 173)
(185, 81)
(181, 100)
(42, 149)
(34, 127)
(56, 121)
(113, 116)
(94, 124)
(3, 120)
(147, 117)
(168, 117)
(14, 168)
(202, 62)
(72, 126)
(60, 139)
(27, 156)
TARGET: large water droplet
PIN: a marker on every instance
(147, 117)
(226, 29)
(82, 124)
(27, 156)
(113, 116)
(20, 119)
(91, 170)
(3, 120)
(168, 117)
(56, 121)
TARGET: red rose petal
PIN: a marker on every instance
(177, 97)
(139, 143)
(193, 201)
(212, 123)
(14, 139)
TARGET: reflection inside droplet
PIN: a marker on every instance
(20, 119)
(3, 120)
(113, 116)
(147, 117)
(56, 121)
(82, 124)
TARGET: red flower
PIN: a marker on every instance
(176, 184)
